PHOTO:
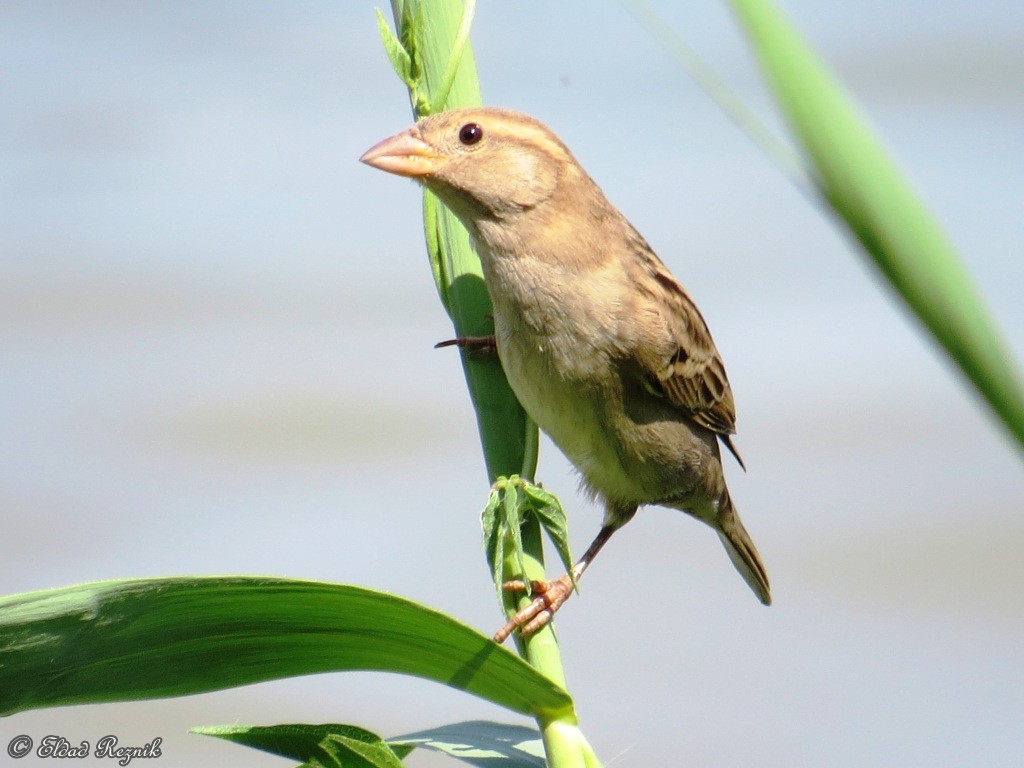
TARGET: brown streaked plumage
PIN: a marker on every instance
(601, 344)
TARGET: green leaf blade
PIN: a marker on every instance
(478, 743)
(343, 746)
(149, 638)
(863, 185)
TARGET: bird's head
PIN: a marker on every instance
(484, 164)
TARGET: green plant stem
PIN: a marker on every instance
(564, 744)
(435, 35)
(531, 451)
(455, 57)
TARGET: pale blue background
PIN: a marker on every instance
(215, 357)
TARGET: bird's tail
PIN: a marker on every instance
(741, 550)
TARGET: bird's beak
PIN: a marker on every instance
(403, 154)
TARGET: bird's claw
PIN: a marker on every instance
(480, 345)
(548, 598)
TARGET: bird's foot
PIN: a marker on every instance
(480, 345)
(548, 598)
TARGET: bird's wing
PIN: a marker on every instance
(682, 363)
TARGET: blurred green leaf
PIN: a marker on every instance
(728, 100)
(481, 744)
(862, 184)
(149, 638)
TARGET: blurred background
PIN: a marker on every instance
(216, 334)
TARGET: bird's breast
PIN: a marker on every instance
(557, 339)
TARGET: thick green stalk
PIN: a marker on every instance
(564, 743)
(428, 32)
(442, 75)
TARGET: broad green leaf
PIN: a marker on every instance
(862, 184)
(482, 744)
(149, 638)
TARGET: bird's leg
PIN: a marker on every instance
(550, 594)
(481, 345)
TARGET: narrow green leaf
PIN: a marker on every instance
(482, 744)
(861, 183)
(346, 746)
(149, 638)
(432, 232)
(397, 54)
(512, 506)
(478, 743)
(549, 511)
(541, 496)
(402, 751)
(494, 536)
(728, 100)
(358, 754)
(438, 103)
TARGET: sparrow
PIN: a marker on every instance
(602, 346)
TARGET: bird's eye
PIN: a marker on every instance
(470, 134)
